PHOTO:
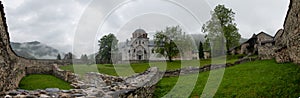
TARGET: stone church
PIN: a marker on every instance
(138, 48)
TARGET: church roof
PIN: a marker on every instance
(139, 31)
(264, 34)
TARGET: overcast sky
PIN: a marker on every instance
(58, 22)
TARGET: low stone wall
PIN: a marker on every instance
(137, 86)
(64, 75)
(141, 85)
(96, 85)
(192, 70)
(47, 93)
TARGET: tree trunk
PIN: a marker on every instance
(170, 59)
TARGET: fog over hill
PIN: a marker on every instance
(35, 50)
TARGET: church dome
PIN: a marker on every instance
(139, 33)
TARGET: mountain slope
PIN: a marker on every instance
(34, 50)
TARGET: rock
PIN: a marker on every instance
(21, 90)
(53, 95)
(282, 55)
(53, 90)
(91, 97)
(77, 95)
(20, 96)
(7, 96)
(66, 91)
(43, 92)
(64, 95)
(44, 96)
(13, 93)
(107, 96)
(105, 88)
(31, 96)
(34, 93)
(77, 90)
(99, 94)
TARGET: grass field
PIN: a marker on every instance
(253, 79)
(33, 82)
(130, 69)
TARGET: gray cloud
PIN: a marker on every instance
(253, 16)
(47, 21)
(55, 22)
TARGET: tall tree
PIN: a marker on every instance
(222, 24)
(108, 45)
(200, 51)
(58, 57)
(69, 56)
(170, 42)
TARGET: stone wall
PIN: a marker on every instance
(266, 51)
(64, 75)
(97, 85)
(282, 55)
(289, 43)
(279, 38)
(137, 86)
(244, 49)
(12, 67)
(292, 29)
(11, 72)
(192, 70)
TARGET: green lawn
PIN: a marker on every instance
(253, 79)
(33, 82)
(129, 69)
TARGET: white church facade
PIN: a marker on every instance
(140, 48)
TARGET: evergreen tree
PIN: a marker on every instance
(200, 51)
(108, 45)
(58, 57)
